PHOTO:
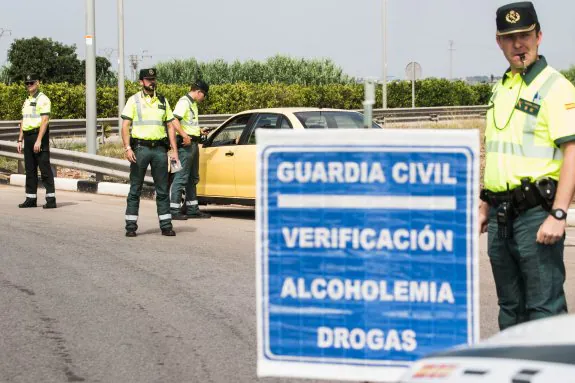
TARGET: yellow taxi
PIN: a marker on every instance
(228, 156)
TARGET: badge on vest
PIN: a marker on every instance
(528, 107)
(163, 107)
(32, 104)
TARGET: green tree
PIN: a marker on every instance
(570, 74)
(4, 77)
(104, 76)
(275, 70)
(51, 60)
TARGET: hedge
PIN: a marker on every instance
(68, 101)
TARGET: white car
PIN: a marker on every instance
(541, 351)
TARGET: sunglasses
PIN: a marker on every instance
(29, 83)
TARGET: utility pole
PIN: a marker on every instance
(91, 141)
(121, 82)
(384, 77)
(135, 61)
(107, 52)
(451, 49)
(5, 31)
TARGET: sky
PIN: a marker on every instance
(350, 32)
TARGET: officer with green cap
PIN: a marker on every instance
(34, 133)
(148, 114)
(529, 173)
(188, 137)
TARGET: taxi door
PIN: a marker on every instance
(217, 161)
(245, 155)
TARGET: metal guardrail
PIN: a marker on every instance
(59, 128)
(113, 167)
(77, 160)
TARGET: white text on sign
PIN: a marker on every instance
(365, 172)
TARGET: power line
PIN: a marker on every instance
(135, 61)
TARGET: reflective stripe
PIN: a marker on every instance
(192, 203)
(138, 106)
(30, 195)
(528, 148)
(191, 124)
(30, 118)
(164, 217)
(147, 122)
(50, 195)
(131, 218)
(140, 120)
(175, 205)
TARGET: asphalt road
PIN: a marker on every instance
(80, 302)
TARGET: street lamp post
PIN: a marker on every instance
(121, 91)
(91, 116)
(384, 79)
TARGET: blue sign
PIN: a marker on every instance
(366, 255)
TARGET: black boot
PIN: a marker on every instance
(29, 202)
(50, 203)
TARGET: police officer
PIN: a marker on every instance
(147, 144)
(188, 137)
(529, 173)
(34, 132)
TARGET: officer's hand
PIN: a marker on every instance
(174, 155)
(37, 146)
(483, 217)
(551, 231)
(205, 131)
(19, 148)
(187, 140)
(131, 156)
(483, 220)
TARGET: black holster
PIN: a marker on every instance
(505, 215)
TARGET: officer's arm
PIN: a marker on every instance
(21, 133)
(566, 187)
(44, 107)
(43, 127)
(126, 133)
(178, 126)
(172, 133)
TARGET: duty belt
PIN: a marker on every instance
(524, 197)
(149, 143)
(31, 132)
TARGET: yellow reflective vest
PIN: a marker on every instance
(148, 115)
(33, 109)
(530, 115)
(186, 111)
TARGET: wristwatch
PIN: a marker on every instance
(559, 214)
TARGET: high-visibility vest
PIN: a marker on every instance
(148, 122)
(188, 110)
(33, 109)
(527, 121)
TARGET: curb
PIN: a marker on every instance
(122, 190)
(85, 186)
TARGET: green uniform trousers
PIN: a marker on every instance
(158, 160)
(186, 179)
(529, 276)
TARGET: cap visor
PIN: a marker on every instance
(517, 30)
